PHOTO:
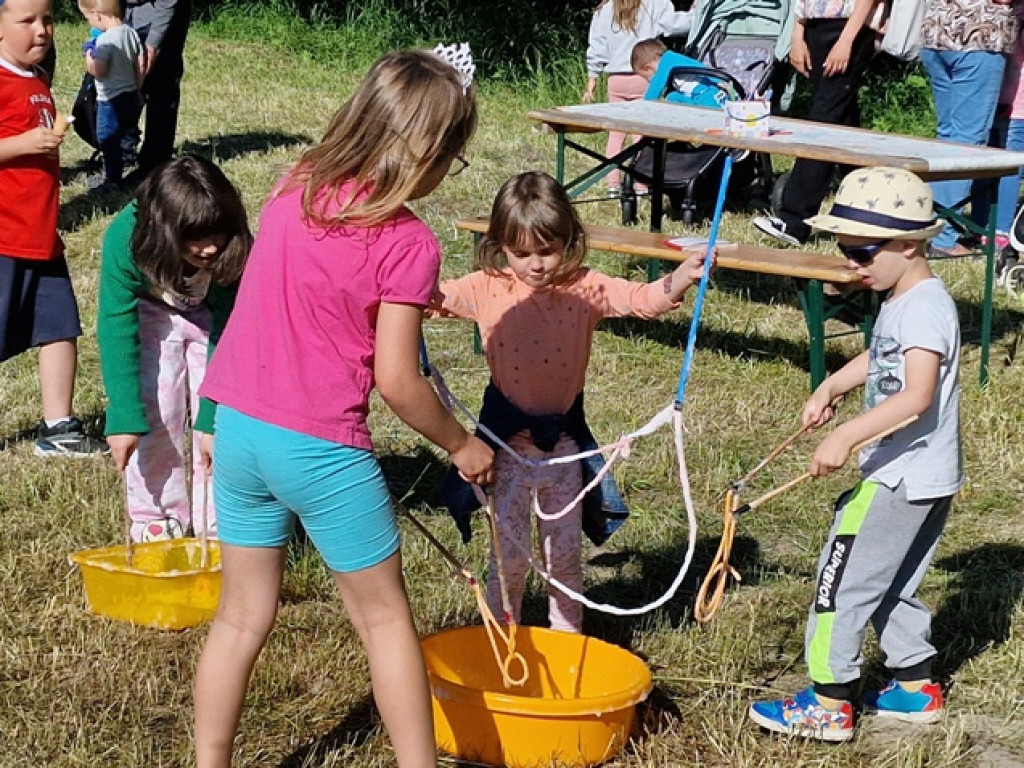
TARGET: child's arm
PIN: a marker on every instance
(838, 58)
(38, 141)
(96, 67)
(620, 297)
(454, 298)
(221, 300)
(597, 54)
(818, 408)
(687, 274)
(140, 70)
(412, 398)
(922, 376)
(119, 340)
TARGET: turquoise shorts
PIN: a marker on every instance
(264, 476)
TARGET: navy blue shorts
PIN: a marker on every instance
(37, 304)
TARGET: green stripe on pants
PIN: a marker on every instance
(850, 519)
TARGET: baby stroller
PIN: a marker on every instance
(737, 42)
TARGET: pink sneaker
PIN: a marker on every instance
(1002, 240)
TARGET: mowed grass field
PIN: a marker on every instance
(77, 689)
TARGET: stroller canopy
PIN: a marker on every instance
(742, 18)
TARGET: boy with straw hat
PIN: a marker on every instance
(887, 527)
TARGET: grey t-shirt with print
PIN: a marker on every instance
(925, 454)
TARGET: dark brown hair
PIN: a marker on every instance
(531, 211)
(182, 201)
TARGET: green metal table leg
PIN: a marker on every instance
(814, 315)
(657, 202)
(560, 157)
(989, 251)
(986, 306)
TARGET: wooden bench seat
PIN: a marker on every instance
(812, 271)
(785, 262)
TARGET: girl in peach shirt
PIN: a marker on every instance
(537, 307)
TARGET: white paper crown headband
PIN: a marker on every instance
(461, 58)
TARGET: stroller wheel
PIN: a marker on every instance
(629, 207)
(778, 189)
(1014, 277)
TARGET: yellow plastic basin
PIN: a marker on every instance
(164, 587)
(576, 707)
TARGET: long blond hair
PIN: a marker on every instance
(531, 211)
(409, 114)
(624, 12)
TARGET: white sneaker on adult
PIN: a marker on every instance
(775, 227)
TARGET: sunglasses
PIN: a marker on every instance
(863, 254)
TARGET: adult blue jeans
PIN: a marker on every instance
(1004, 191)
(114, 119)
(965, 85)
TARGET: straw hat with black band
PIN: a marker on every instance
(881, 203)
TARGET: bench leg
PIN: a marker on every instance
(657, 201)
(658, 187)
(812, 298)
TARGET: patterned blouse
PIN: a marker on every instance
(969, 25)
(824, 9)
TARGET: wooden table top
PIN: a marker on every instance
(929, 158)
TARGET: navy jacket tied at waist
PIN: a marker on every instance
(603, 508)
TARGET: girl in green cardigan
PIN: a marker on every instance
(171, 264)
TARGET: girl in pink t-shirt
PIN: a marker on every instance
(330, 306)
(537, 307)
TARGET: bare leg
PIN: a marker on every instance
(58, 362)
(250, 588)
(378, 606)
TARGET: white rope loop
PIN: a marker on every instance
(617, 449)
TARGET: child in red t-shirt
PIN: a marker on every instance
(37, 303)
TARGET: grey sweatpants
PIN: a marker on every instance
(876, 555)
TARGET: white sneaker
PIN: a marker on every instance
(1008, 259)
(775, 227)
(1017, 230)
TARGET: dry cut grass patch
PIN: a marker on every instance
(80, 690)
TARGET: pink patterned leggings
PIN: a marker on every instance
(560, 540)
(172, 365)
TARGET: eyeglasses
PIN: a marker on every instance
(459, 164)
(863, 254)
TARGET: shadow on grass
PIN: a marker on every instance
(987, 583)
(91, 164)
(738, 345)
(414, 479)
(94, 423)
(83, 208)
(1007, 325)
(220, 148)
(640, 576)
(357, 727)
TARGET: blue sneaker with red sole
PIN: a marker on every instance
(803, 715)
(898, 703)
